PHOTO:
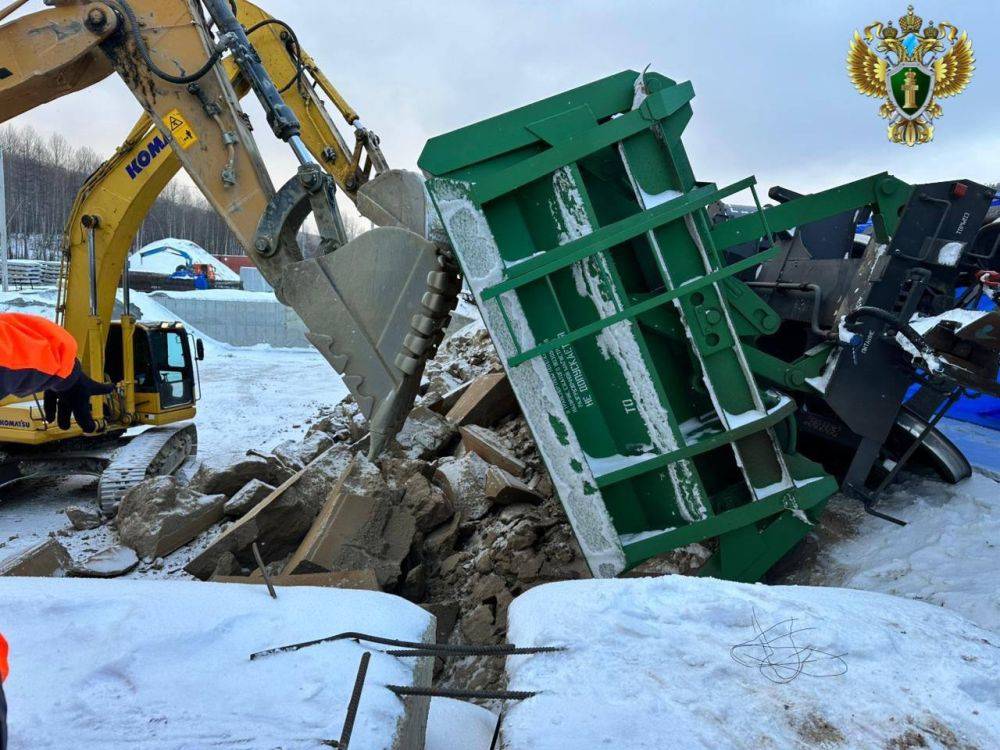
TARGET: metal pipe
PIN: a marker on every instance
(301, 152)
(91, 223)
(817, 293)
(126, 288)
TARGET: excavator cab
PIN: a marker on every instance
(165, 367)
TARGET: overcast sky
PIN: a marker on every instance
(772, 95)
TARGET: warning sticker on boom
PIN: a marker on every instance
(180, 129)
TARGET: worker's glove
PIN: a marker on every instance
(71, 397)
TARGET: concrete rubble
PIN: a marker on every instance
(458, 515)
(84, 519)
(159, 516)
(48, 559)
(244, 501)
(109, 563)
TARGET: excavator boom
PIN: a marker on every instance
(189, 80)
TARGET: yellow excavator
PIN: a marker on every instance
(375, 306)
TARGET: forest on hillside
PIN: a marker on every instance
(44, 174)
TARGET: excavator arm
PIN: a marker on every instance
(375, 306)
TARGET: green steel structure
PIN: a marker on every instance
(586, 240)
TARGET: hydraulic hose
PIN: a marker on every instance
(140, 43)
(296, 53)
(887, 317)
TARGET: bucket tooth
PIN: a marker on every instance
(360, 304)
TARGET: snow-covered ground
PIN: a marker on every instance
(252, 397)
(679, 662)
(948, 554)
(258, 397)
(150, 665)
(457, 725)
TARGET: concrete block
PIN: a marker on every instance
(44, 560)
(487, 400)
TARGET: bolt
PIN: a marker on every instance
(262, 245)
(97, 19)
(713, 316)
(796, 377)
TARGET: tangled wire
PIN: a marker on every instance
(776, 653)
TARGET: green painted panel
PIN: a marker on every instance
(584, 236)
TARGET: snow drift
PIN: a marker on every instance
(165, 665)
(678, 662)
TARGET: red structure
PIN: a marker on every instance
(235, 262)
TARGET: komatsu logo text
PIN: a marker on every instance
(145, 157)
(17, 424)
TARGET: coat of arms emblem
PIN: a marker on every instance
(910, 69)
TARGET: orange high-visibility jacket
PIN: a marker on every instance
(4, 669)
(35, 354)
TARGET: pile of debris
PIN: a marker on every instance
(459, 515)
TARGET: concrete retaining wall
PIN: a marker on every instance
(237, 318)
(253, 280)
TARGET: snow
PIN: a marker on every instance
(923, 324)
(218, 295)
(164, 665)
(259, 397)
(946, 555)
(251, 397)
(166, 262)
(675, 662)
(456, 725)
(950, 253)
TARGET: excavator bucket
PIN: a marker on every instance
(376, 308)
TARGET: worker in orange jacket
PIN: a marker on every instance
(3, 701)
(38, 356)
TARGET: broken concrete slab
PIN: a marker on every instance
(159, 516)
(110, 563)
(425, 434)
(504, 489)
(243, 501)
(442, 540)
(397, 471)
(448, 400)
(48, 559)
(83, 519)
(487, 444)
(364, 580)
(488, 399)
(280, 520)
(446, 614)
(428, 504)
(233, 478)
(477, 625)
(301, 453)
(464, 484)
(361, 525)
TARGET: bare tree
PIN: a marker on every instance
(44, 176)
